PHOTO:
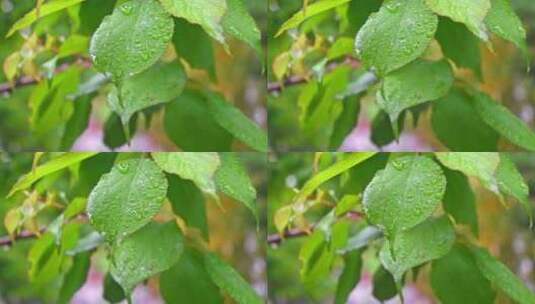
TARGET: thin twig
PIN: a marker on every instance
(27, 80)
(276, 239)
(24, 235)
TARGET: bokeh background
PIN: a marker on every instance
(505, 232)
(505, 75)
(234, 235)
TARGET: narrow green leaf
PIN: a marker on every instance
(502, 277)
(113, 292)
(58, 163)
(233, 180)
(384, 286)
(409, 25)
(404, 194)
(45, 10)
(504, 122)
(230, 281)
(350, 276)
(131, 39)
(197, 167)
(512, 183)
(147, 252)
(310, 11)
(236, 123)
(194, 45)
(459, 200)
(240, 24)
(504, 22)
(127, 198)
(75, 278)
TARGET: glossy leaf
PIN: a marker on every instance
(398, 34)
(127, 198)
(131, 39)
(150, 250)
(404, 194)
(241, 25)
(512, 183)
(481, 165)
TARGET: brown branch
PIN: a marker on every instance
(277, 87)
(27, 80)
(24, 235)
(276, 239)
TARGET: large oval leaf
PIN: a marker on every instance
(132, 38)
(150, 250)
(399, 33)
(404, 194)
(126, 199)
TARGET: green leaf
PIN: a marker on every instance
(75, 277)
(414, 84)
(91, 14)
(113, 292)
(159, 84)
(149, 251)
(459, 200)
(344, 164)
(316, 260)
(404, 194)
(512, 183)
(207, 13)
(45, 10)
(346, 122)
(114, 131)
(398, 34)
(188, 202)
(58, 163)
(455, 278)
(350, 276)
(356, 179)
(232, 179)
(341, 47)
(230, 281)
(188, 279)
(131, 39)
(459, 45)
(503, 21)
(240, 24)
(358, 12)
(482, 165)
(236, 123)
(310, 11)
(503, 278)
(188, 115)
(469, 132)
(78, 122)
(90, 171)
(194, 45)
(126, 199)
(471, 13)
(429, 240)
(197, 167)
(384, 286)
(504, 122)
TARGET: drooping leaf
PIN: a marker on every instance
(429, 240)
(232, 179)
(206, 13)
(350, 276)
(504, 22)
(240, 24)
(413, 84)
(131, 39)
(398, 34)
(149, 251)
(159, 84)
(114, 131)
(404, 194)
(346, 122)
(310, 11)
(471, 13)
(482, 165)
(45, 10)
(197, 167)
(512, 183)
(188, 202)
(236, 123)
(78, 123)
(455, 278)
(459, 200)
(188, 279)
(75, 278)
(113, 292)
(384, 286)
(469, 133)
(187, 115)
(230, 281)
(504, 122)
(503, 278)
(194, 45)
(459, 45)
(126, 199)
(58, 163)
